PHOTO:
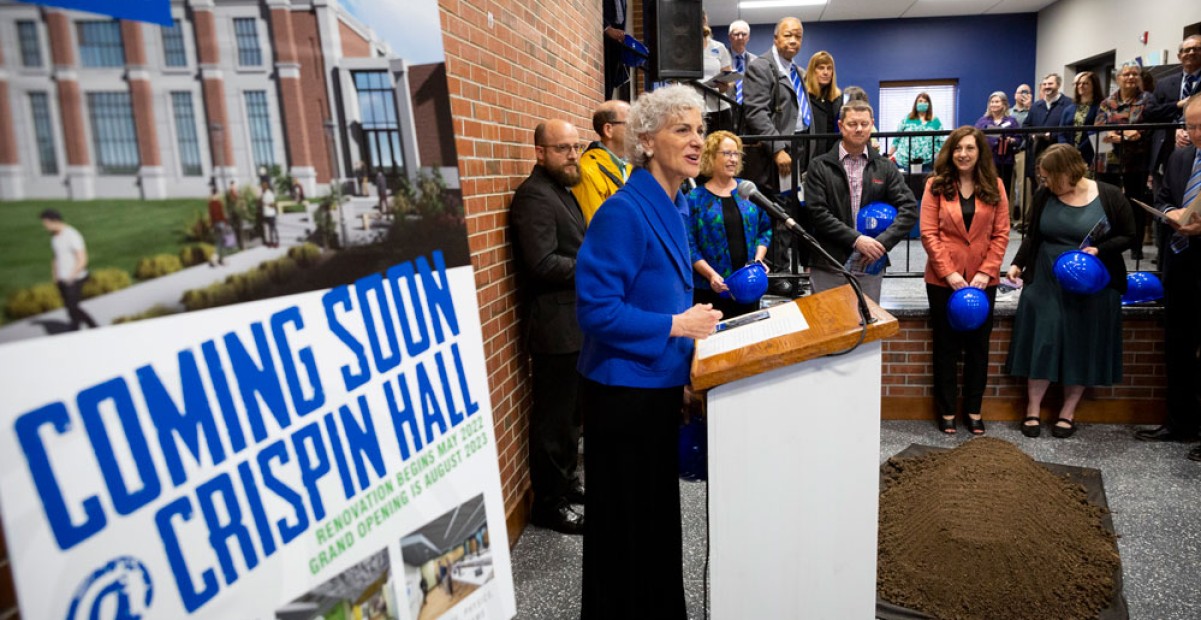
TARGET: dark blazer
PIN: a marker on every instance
(616, 73)
(1085, 144)
(1169, 195)
(769, 109)
(1109, 247)
(548, 229)
(1040, 116)
(828, 203)
(1163, 109)
(634, 274)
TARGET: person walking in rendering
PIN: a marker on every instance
(69, 266)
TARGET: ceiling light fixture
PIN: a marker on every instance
(777, 4)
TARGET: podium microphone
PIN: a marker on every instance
(748, 191)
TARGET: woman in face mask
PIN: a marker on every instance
(921, 150)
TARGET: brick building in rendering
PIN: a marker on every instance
(92, 107)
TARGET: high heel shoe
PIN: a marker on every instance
(1032, 430)
(974, 425)
(946, 424)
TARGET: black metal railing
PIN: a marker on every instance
(916, 181)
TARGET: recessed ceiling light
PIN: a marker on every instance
(777, 4)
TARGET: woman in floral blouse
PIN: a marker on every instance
(725, 232)
(908, 150)
(1126, 164)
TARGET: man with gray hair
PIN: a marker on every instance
(776, 104)
(740, 35)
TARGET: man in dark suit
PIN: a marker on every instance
(1167, 106)
(773, 107)
(1181, 187)
(1046, 112)
(740, 58)
(616, 73)
(1168, 102)
(548, 229)
(775, 104)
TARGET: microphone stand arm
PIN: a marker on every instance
(789, 223)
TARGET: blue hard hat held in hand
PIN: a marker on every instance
(875, 218)
(967, 309)
(633, 53)
(1081, 273)
(747, 285)
(1142, 287)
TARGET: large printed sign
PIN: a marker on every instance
(328, 454)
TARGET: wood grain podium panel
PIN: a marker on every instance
(833, 318)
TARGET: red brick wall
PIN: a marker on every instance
(431, 112)
(907, 377)
(531, 64)
(353, 45)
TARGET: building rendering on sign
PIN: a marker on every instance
(92, 107)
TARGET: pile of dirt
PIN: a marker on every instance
(983, 531)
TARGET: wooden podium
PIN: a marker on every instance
(794, 454)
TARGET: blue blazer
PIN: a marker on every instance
(632, 274)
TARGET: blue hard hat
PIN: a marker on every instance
(747, 285)
(1142, 286)
(630, 58)
(1080, 272)
(967, 309)
(875, 218)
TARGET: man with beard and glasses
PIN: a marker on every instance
(548, 229)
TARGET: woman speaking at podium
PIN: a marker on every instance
(634, 292)
(965, 229)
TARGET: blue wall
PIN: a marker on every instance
(985, 53)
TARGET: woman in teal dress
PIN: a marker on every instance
(1059, 336)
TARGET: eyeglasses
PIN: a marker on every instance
(1190, 50)
(731, 154)
(1192, 127)
(563, 149)
(1042, 180)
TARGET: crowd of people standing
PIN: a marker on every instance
(631, 281)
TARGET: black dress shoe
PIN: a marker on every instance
(561, 518)
(974, 425)
(576, 494)
(1063, 432)
(1163, 433)
(1032, 430)
(1195, 454)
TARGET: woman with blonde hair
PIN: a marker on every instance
(825, 99)
(725, 231)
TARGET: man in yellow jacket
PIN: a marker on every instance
(603, 167)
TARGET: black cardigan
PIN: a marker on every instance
(1109, 247)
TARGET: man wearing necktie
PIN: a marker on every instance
(740, 35)
(1167, 106)
(1180, 188)
(775, 104)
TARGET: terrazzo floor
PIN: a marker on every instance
(1154, 493)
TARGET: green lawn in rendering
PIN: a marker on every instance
(118, 232)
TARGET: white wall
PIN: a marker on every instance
(1073, 30)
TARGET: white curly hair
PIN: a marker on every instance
(653, 110)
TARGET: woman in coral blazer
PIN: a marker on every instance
(965, 229)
